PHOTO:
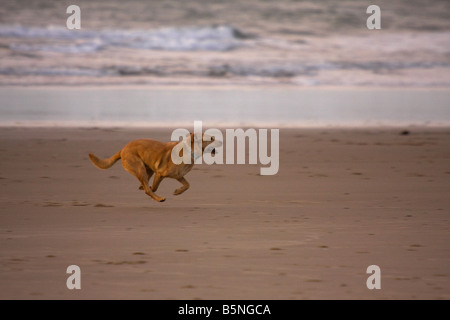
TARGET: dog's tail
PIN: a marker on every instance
(106, 163)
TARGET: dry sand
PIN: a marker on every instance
(342, 200)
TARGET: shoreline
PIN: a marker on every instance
(222, 86)
(224, 107)
(189, 126)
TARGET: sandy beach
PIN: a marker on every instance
(343, 199)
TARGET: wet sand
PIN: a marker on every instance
(342, 200)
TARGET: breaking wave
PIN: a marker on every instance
(57, 39)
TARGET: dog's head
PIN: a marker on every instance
(195, 145)
(203, 142)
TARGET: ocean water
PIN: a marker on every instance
(232, 107)
(226, 62)
(252, 42)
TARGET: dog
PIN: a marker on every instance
(145, 157)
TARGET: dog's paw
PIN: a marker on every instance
(141, 188)
(162, 199)
(177, 192)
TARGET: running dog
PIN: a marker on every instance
(145, 157)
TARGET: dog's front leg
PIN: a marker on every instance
(182, 189)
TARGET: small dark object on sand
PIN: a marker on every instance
(404, 133)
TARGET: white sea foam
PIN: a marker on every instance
(210, 38)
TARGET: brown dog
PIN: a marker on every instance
(142, 158)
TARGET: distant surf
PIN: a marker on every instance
(106, 55)
(258, 42)
(63, 40)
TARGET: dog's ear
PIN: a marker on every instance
(188, 139)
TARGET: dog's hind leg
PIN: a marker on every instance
(156, 182)
(183, 188)
(149, 175)
(136, 167)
